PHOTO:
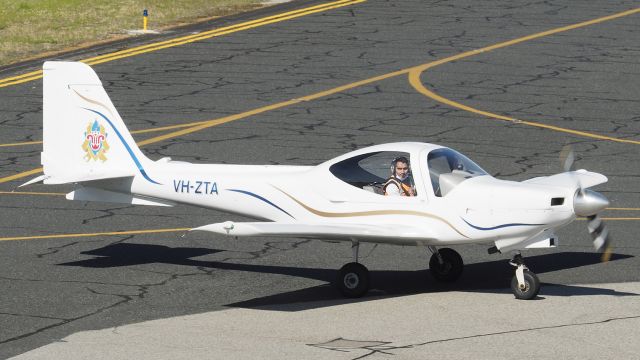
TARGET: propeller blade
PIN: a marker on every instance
(567, 157)
(600, 235)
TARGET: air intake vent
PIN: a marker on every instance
(557, 201)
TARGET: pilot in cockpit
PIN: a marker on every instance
(401, 182)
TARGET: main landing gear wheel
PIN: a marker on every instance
(447, 267)
(530, 288)
(353, 280)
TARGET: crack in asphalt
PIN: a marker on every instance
(106, 212)
(63, 322)
(54, 250)
(33, 316)
(382, 347)
(269, 248)
(164, 150)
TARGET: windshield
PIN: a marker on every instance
(448, 168)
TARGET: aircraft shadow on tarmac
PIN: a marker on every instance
(487, 277)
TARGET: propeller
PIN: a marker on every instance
(589, 203)
(567, 158)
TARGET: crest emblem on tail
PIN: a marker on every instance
(95, 142)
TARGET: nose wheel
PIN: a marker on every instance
(525, 285)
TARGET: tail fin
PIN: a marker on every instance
(84, 137)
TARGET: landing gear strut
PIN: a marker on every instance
(524, 284)
(445, 265)
(353, 278)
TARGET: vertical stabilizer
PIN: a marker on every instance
(84, 136)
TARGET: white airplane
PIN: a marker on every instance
(87, 144)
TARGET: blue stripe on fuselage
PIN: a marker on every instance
(499, 226)
(260, 198)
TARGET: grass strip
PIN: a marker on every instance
(34, 28)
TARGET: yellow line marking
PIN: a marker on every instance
(420, 88)
(198, 127)
(224, 31)
(30, 193)
(20, 175)
(176, 42)
(34, 75)
(215, 122)
(168, 127)
(412, 71)
(211, 33)
(22, 143)
(62, 236)
(209, 123)
(415, 73)
(141, 131)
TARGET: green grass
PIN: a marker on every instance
(32, 28)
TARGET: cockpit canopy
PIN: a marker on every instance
(370, 168)
(448, 168)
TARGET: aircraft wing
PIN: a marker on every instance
(567, 179)
(345, 232)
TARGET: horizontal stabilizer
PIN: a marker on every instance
(112, 174)
(34, 180)
(567, 179)
(93, 194)
(315, 231)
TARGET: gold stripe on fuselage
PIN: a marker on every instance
(370, 213)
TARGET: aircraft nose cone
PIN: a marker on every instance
(589, 203)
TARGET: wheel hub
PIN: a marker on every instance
(524, 287)
(351, 281)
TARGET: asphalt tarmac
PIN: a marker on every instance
(356, 70)
(594, 322)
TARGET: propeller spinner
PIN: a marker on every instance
(589, 203)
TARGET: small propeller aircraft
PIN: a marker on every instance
(453, 200)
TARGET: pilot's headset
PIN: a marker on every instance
(395, 162)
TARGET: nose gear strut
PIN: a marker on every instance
(524, 284)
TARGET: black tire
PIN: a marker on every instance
(353, 280)
(451, 268)
(532, 286)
